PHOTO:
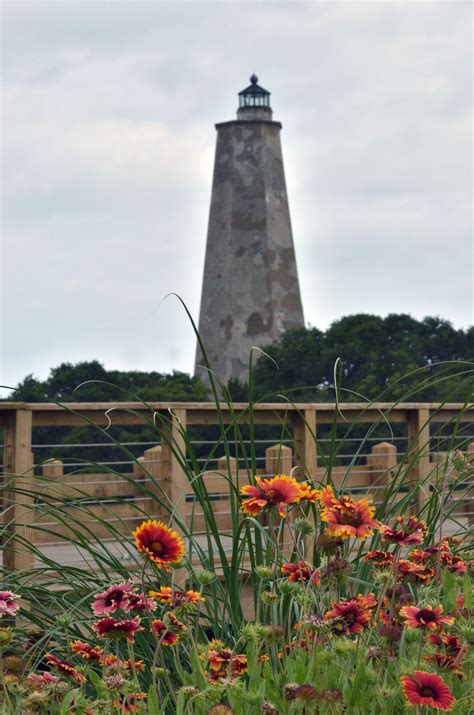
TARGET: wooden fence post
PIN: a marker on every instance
(383, 461)
(469, 503)
(18, 474)
(173, 452)
(278, 459)
(419, 455)
(53, 469)
(305, 444)
(155, 469)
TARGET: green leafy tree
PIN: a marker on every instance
(378, 355)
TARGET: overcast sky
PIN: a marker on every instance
(107, 154)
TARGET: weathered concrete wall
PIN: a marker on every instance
(250, 290)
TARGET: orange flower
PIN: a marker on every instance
(109, 660)
(307, 493)
(86, 650)
(161, 544)
(279, 492)
(424, 688)
(175, 598)
(368, 602)
(346, 517)
(427, 617)
(379, 559)
(224, 663)
(65, 668)
(129, 702)
(348, 617)
(302, 572)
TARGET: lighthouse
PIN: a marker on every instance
(250, 292)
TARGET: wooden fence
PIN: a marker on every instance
(32, 490)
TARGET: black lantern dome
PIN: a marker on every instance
(254, 96)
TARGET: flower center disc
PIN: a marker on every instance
(156, 547)
(427, 692)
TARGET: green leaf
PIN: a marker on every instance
(449, 587)
(467, 591)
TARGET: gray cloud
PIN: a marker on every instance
(108, 146)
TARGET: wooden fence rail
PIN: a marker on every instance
(30, 492)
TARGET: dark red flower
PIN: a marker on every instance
(407, 532)
(418, 573)
(112, 628)
(113, 598)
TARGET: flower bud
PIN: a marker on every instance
(269, 709)
(205, 577)
(303, 526)
(221, 710)
(6, 637)
(264, 572)
(159, 673)
(343, 646)
(269, 597)
(64, 620)
(13, 664)
(288, 588)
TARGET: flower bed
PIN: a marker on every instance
(336, 627)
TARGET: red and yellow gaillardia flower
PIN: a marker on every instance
(224, 663)
(175, 597)
(109, 660)
(86, 650)
(162, 545)
(424, 688)
(379, 559)
(110, 627)
(279, 492)
(65, 668)
(418, 573)
(427, 617)
(308, 493)
(407, 532)
(451, 644)
(161, 630)
(129, 702)
(348, 617)
(369, 602)
(302, 572)
(451, 652)
(346, 517)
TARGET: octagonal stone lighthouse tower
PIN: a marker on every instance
(250, 294)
